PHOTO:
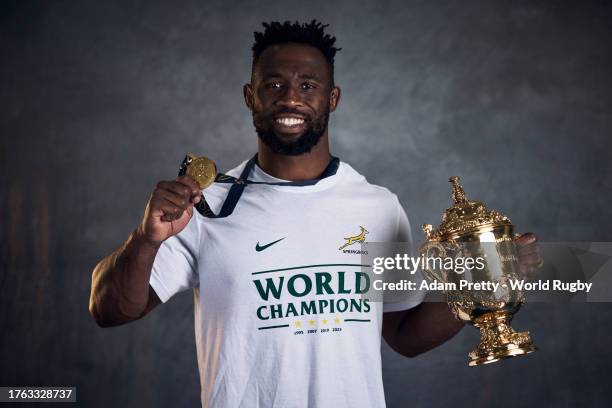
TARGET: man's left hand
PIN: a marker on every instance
(529, 256)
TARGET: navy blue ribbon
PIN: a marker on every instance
(238, 185)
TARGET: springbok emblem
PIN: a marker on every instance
(355, 238)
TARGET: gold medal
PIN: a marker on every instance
(202, 170)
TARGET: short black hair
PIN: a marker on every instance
(312, 33)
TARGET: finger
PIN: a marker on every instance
(528, 249)
(177, 188)
(526, 239)
(170, 217)
(530, 259)
(178, 215)
(174, 198)
(168, 210)
(190, 183)
(196, 192)
(528, 272)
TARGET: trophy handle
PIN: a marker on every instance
(425, 250)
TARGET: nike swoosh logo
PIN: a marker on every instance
(259, 248)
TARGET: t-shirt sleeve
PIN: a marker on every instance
(175, 266)
(404, 234)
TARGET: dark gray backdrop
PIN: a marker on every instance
(99, 101)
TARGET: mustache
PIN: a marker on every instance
(291, 111)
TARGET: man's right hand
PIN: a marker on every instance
(169, 209)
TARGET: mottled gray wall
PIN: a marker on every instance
(99, 100)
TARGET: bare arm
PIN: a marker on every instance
(417, 330)
(120, 291)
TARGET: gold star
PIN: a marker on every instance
(337, 320)
(312, 322)
(324, 321)
(298, 324)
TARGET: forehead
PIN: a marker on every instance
(290, 59)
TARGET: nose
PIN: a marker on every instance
(290, 97)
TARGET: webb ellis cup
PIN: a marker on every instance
(469, 230)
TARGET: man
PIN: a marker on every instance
(280, 320)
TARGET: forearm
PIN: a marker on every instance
(120, 282)
(420, 329)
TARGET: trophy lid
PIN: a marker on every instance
(464, 216)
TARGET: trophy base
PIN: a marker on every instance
(498, 340)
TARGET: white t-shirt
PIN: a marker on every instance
(279, 318)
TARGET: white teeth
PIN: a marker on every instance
(290, 121)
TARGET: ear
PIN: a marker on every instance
(247, 90)
(334, 98)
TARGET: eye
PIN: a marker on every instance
(273, 85)
(308, 85)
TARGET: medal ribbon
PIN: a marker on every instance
(238, 185)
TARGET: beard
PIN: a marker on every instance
(315, 128)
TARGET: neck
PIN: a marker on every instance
(307, 166)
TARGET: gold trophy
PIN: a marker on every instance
(468, 229)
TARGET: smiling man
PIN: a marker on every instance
(280, 319)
